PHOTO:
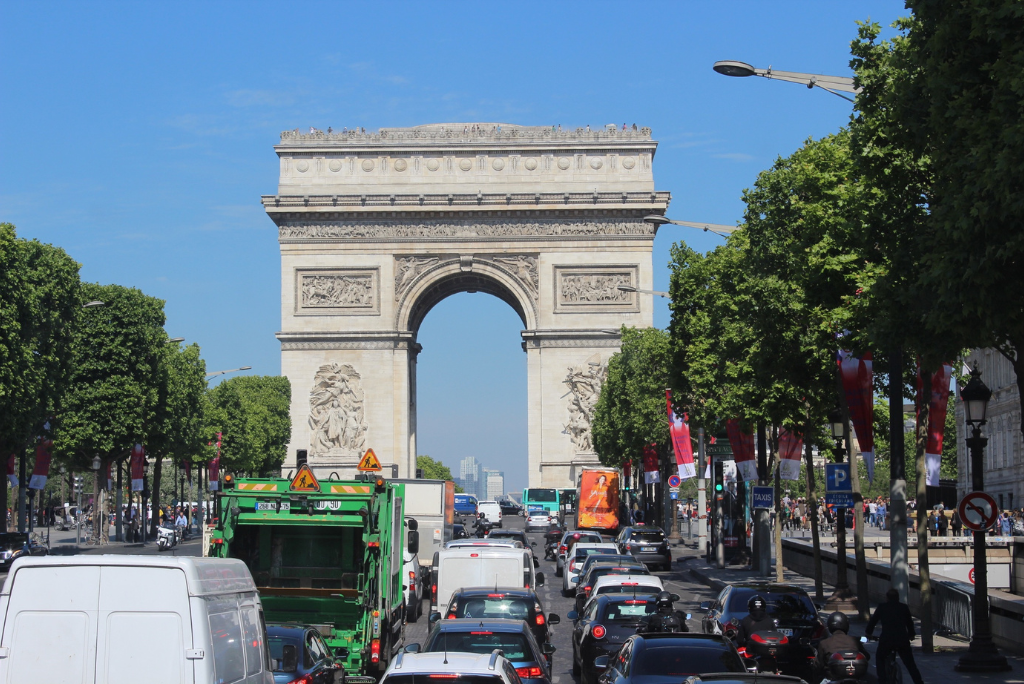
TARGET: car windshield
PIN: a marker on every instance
(483, 641)
(683, 660)
(583, 553)
(13, 539)
(441, 677)
(628, 611)
(277, 644)
(785, 606)
(647, 535)
(512, 608)
(584, 538)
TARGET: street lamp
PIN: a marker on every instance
(716, 228)
(982, 656)
(96, 463)
(175, 340)
(93, 304)
(832, 84)
(230, 370)
(630, 288)
(841, 598)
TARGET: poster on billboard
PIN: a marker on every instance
(599, 499)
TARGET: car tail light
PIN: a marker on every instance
(634, 602)
(563, 548)
(529, 672)
(443, 676)
(304, 679)
(451, 616)
(433, 593)
(375, 651)
(412, 575)
(539, 619)
(484, 633)
(631, 584)
(587, 589)
(598, 631)
(495, 596)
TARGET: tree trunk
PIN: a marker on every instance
(921, 444)
(812, 513)
(778, 525)
(154, 498)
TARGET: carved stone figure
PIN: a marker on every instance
(406, 270)
(468, 229)
(337, 291)
(594, 288)
(524, 267)
(337, 421)
(584, 383)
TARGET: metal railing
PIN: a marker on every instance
(954, 604)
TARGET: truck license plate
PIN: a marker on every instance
(272, 506)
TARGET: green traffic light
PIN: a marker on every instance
(718, 487)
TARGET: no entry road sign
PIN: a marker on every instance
(978, 511)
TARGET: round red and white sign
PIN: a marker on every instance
(970, 575)
(978, 511)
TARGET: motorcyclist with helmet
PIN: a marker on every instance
(666, 619)
(839, 641)
(756, 621)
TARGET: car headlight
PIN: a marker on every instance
(5, 554)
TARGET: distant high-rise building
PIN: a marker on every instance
(494, 483)
(469, 476)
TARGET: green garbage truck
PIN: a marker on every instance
(327, 554)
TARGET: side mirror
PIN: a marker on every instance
(547, 649)
(341, 652)
(289, 657)
(675, 597)
(601, 662)
(705, 605)
(572, 615)
(413, 543)
(412, 648)
(688, 616)
(434, 617)
(553, 619)
(574, 580)
(540, 579)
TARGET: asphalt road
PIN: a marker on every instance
(677, 581)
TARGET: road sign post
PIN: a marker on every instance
(978, 511)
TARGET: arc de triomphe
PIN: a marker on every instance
(377, 228)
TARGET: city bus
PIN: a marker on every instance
(541, 498)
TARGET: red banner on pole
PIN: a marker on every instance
(11, 470)
(213, 484)
(681, 444)
(652, 474)
(742, 444)
(937, 405)
(41, 470)
(137, 462)
(857, 386)
(790, 446)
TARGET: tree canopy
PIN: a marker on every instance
(435, 470)
(252, 413)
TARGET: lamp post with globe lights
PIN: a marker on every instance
(982, 656)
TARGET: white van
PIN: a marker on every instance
(479, 567)
(111, 619)
(491, 511)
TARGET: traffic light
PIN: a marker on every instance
(719, 476)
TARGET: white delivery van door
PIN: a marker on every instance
(477, 571)
(50, 627)
(144, 626)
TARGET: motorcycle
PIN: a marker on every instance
(764, 647)
(483, 527)
(167, 538)
(846, 667)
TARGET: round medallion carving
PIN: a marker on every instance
(433, 164)
(563, 163)
(530, 164)
(465, 164)
(596, 163)
(628, 162)
(401, 165)
(367, 165)
(498, 164)
(302, 166)
(334, 165)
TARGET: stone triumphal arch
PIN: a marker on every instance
(377, 228)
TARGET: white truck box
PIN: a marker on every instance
(480, 567)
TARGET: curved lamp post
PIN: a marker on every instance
(716, 228)
(630, 288)
(833, 84)
(982, 656)
(230, 370)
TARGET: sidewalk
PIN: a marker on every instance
(935, 667)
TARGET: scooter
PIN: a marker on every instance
(764, 647)
(166, 538)
(846, 667)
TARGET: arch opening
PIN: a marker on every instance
(457, 283)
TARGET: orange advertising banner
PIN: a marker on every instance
(599, 500)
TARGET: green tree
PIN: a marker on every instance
(40, 301)
(435, 470)
(253, 414)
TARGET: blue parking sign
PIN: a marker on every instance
(763, 497)
(837, 477)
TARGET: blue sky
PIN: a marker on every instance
(138, 136)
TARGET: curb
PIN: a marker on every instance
(704, 578)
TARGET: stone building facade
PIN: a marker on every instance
(377, 228)
(1004, 457)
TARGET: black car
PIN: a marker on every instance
(669, 658)
(792, 609)
(513, 604)
(518, 535)
(602, 627)
(593, 571)
(647, 544)
(509, 507)
(298, 653)
(14, 545)
(531, 660)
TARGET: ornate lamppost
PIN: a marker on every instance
(982, 656)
